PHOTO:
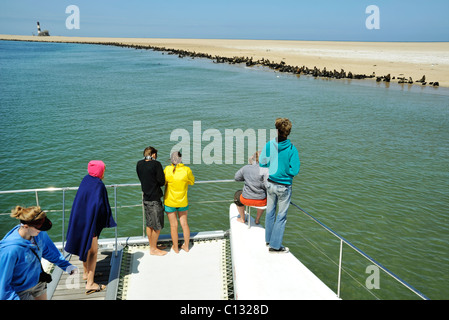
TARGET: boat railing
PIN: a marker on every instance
(115, 206)
(341, 239)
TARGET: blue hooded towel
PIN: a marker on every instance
(91, 213)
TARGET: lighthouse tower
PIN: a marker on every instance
(41, 33)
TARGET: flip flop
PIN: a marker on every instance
(100, 288)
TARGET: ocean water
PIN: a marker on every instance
(373, 156)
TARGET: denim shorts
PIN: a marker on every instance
(154, 214)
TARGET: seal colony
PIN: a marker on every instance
(282, 66)
(208, 49)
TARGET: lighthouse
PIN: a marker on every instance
(41, 33)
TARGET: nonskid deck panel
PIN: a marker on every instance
(131, 273)
(199, 274)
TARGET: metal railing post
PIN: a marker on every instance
(115, 214)
(63, 218)
(143, 217)
(339, 268)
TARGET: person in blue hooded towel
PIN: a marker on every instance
(90, 214)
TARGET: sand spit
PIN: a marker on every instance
(423, 63)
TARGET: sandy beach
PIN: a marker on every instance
(399, 59)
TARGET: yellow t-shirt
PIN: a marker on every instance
(176, 185)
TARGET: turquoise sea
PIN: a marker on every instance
(374, 157)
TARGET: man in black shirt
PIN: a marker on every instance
(151, 176)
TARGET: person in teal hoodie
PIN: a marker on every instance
(21, 251)
(281, 158)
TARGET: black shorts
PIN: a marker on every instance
(154, 214)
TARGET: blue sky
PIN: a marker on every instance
(399, 20)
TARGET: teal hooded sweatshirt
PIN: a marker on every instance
(281, 159)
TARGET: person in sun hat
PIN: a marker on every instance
(21, 250)
(90, 214)
(177, 179)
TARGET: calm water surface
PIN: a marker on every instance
(373, 158)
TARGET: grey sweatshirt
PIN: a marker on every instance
(255, 181)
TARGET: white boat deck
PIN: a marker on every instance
(195, 275)
(259, 274)
(204, 272)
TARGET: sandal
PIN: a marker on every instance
(101, 287)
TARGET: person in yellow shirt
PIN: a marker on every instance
(177, 179)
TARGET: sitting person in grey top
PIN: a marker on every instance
(254, 191)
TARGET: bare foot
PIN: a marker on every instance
(175, 249)
(185, 247)
(158, 252)
(240, 220)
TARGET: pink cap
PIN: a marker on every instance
(96, 168)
